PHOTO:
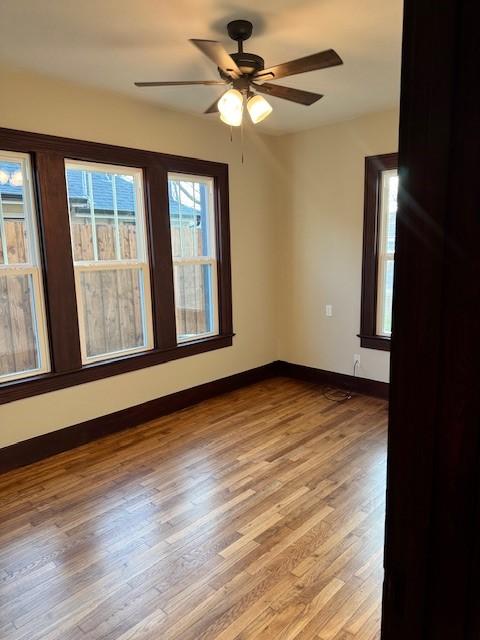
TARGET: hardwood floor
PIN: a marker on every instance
(256, 514)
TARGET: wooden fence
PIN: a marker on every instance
(112, 298)
(17, 337)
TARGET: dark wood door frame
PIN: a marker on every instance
(431, 554)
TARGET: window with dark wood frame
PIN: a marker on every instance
(48, 155)
(374, 168)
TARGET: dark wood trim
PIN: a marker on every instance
(432, 560)
(364, 386)
(61, 304)
(89, 151)
(222, 230)
(45, 383)
(48, 155)
(161, 266)
(48, 444)
(374, 165)
(181, 164)
(40, 447)
(381, 343)
(223, 250)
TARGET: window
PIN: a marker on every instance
(136, 253)
(23, 341)
(109, 245)
(381, 188)
(192, 228)
(386, 250)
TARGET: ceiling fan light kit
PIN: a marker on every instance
(245, 74)
(230, 107)
(258, 108)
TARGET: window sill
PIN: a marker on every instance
(27, 387)
(381, 343)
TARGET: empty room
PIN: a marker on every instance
(201, 212)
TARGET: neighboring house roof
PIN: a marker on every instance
(102, 191)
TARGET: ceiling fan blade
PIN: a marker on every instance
(178, 84)
(321, 60)
(288, 93)
(217, 54)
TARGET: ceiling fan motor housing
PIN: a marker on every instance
(240, 30)
(248, 63)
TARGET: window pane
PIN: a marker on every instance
(387, 298)
(191, 218)
(128, 239)
(387, 222)
(18, 343)
(113, 310)
(193, 300)
(192, 225)
(13, 232)
(82, 239)
(107, 221)
(392, 191)
(103, 214)
(23, 345)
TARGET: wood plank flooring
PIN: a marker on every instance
(254, 515)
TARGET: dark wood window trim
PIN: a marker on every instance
(48, 154)
(374, 166)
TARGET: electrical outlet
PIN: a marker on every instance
(356, 361)
(328, 310)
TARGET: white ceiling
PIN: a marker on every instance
(112, 43)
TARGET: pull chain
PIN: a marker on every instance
(242, 142)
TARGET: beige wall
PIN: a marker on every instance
(320, 244)
(296, 240)
(44, 105)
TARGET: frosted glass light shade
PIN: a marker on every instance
(230, 106)
(258, 108)
(234, 120)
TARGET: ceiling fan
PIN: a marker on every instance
(245, 74)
